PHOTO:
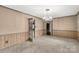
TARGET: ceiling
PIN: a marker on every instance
(39, 10)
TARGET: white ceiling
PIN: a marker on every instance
(39, 10)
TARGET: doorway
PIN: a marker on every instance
(31, 28)
(48, 29)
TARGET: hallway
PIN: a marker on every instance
(45, 44)
(39, 29)
(19, 24)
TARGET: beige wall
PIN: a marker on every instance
(78, 25)
(65, 26)
(39, 27)
(14, 27)
(65, 23)
(39, 24)
(12, 21)
(78, 22)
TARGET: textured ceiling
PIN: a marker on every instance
(39, 10)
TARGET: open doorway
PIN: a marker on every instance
(48, 29)
(31, 29)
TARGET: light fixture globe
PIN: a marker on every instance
(47, 16)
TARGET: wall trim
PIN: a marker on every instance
(19, 11)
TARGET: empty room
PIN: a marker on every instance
(39, 28)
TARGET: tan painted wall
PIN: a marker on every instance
(65, 26)
(39, 24)
(78, 25)
(14, 27)
(65, 23)
(38, 27)
(12, 21)
(78, 22)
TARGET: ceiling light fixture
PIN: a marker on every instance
(47, 16)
